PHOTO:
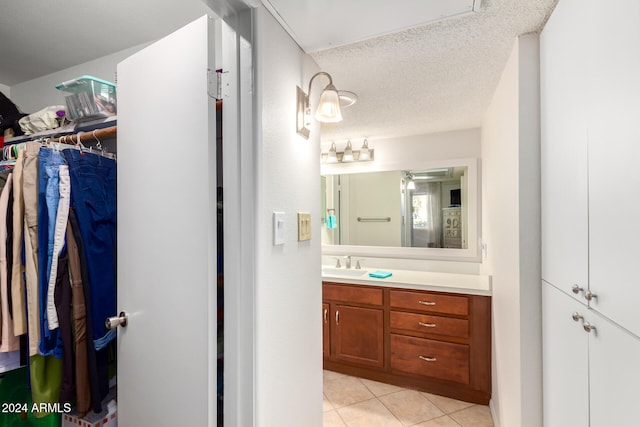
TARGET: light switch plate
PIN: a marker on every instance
(304, 226)
(278, 228)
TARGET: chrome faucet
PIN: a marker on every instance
(347, 264)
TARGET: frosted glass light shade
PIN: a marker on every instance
(329, 106)
(365, 154)
(332, 156)
(347, 156)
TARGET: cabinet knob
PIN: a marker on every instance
(427, 325)
(590, 295)
(576, 289)
(576, 316)
(427, 359)
(589, 327)
(427, 302)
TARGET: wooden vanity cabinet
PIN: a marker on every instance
(431, 341)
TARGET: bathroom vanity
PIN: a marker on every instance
(427, 331)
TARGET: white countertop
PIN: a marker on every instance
(428, 281)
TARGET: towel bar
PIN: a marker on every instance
(374, 219)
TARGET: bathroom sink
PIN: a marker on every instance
(331, 271)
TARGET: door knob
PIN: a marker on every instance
(113, 322)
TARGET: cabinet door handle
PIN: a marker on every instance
(427, 325)
(576, 316)
(589, 295)
(325, 315)
(588, 327)
(427, 302)
(576, 289)
(337, 317)
(427, 359)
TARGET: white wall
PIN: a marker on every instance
(288, 295)
(511, 230)
(33, 95)
(6, 90)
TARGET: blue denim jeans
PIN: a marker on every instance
(93, 198)
(49, 162)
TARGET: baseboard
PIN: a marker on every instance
(494, 415)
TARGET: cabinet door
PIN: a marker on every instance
(614, 155)
(359, 335)
(326, 328)
(563, 55)
(614, 374)
(565, 361)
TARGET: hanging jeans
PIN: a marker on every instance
(49, 162)
(93, 197)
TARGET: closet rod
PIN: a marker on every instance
(89, 135)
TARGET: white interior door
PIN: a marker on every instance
(167, 232)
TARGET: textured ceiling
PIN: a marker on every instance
(435, 77)
(432, 78)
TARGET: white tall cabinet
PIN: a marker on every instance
(590, 106)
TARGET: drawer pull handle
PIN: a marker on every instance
(427, 359)
(325, 315)
(426, 302)
(337, 317)
(427, 325)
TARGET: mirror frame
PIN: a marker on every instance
(471, 254)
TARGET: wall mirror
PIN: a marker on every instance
(427, 211)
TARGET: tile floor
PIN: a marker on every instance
(356, 402)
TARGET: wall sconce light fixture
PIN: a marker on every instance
(328, 108)
(348, 155)
(411, 185)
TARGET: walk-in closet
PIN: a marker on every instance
(112, 250)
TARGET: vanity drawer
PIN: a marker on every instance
(352, 294)
(430, 358)
(431, 302)
(425, 323)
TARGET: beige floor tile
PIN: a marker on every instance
(474, 416)
(380, 389)
(370, 413)
(410, 407)
(446, 404)
(444, 421)
(346, 391)
(330, 375)
(332, 419)
(326, 405)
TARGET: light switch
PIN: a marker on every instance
(278, 228)
(304, 226)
